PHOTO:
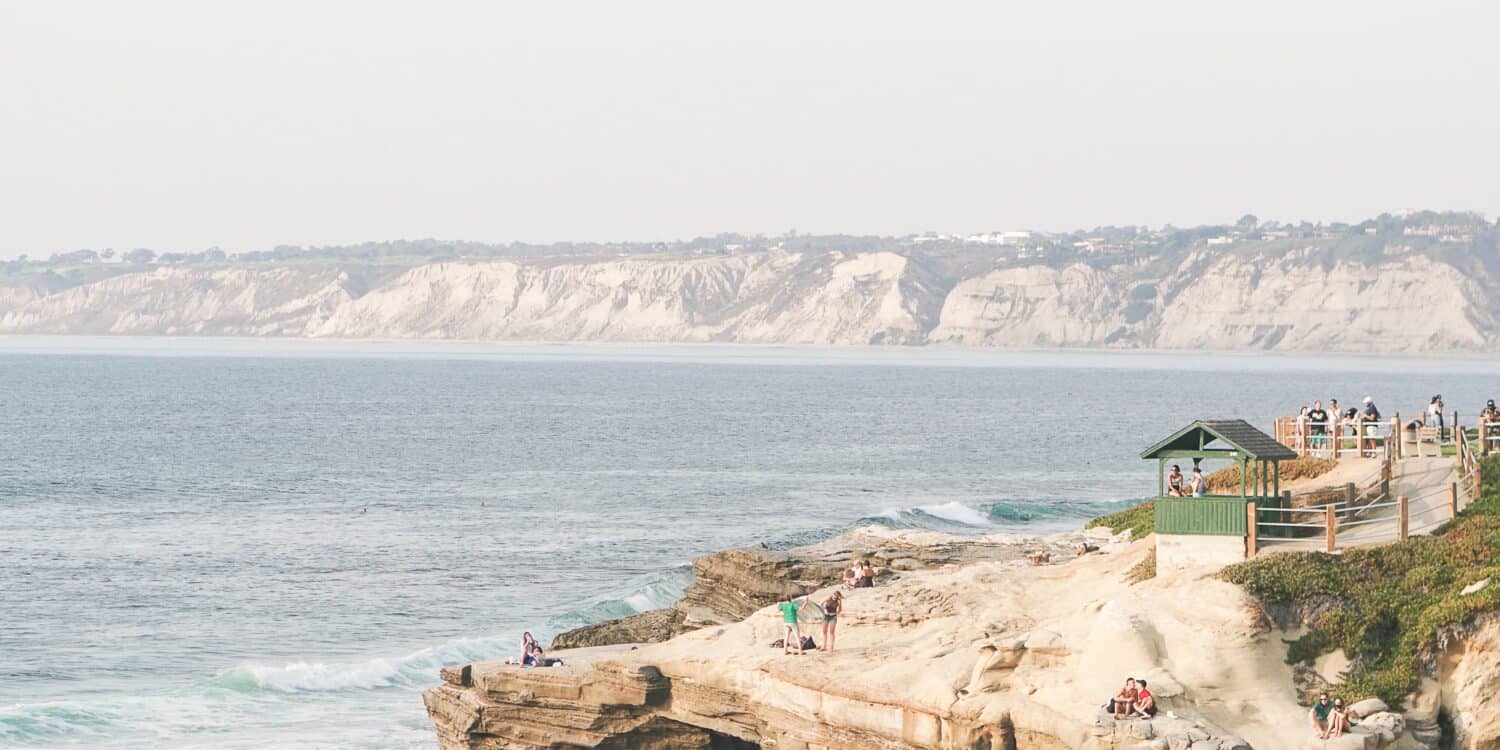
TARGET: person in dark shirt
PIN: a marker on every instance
(1175, 486)
(1321, 708)
(1317, 421)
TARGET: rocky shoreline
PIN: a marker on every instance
(730, 586)
(964, 644)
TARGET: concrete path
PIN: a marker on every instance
(1424, 482)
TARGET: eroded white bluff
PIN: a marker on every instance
(1223, 301)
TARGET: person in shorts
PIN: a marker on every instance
(833, 606)
(1317, 423)
(1318, 714)
(791, 611)
(1145, 702)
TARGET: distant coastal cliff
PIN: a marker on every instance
(1425, 283)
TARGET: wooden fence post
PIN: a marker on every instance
(1453, 500)
(1348, 494)
(1398, 434)
(1403, 519)
(1332, 524)
(1250, 529)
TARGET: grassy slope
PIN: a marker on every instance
(1388, 606)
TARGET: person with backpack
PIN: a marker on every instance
(791, 613)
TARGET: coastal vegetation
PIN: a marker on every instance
(1388, 608)
(1140, 520)
(1227, 481)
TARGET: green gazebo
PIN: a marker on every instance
(1218, 515)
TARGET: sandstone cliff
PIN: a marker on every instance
(984, 655)
(732, 585)
(1290, 301)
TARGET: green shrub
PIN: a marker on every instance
(1387, 606)
(1227, 480)
(1144, 570)
(1140, 519)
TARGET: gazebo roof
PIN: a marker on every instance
(1235, 435)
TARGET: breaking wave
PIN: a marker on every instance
(959, 517)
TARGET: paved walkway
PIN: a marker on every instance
(1424, 482)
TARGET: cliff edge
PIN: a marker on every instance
(978, 654)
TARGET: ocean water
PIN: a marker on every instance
(259, 544)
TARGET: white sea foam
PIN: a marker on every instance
(956, 512)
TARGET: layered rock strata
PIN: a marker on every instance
(731, 585)
(1286, 302)
(978, 655)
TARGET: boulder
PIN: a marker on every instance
(1351, 741)
(1369, 707)
(1046, 642)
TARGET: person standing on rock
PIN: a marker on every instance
(791, 611)
(833, 606)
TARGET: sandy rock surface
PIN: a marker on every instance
(973, 655)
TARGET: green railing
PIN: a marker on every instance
(1216, 515)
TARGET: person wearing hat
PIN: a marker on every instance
(1489, 419)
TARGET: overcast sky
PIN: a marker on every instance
(180, 126)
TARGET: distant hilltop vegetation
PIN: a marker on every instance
(1417, 282)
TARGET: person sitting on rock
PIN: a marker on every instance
(1124, 701)
(1319, 712)
(791, 613)
(1145, 702)
(531, 651)
(866, 575)
(852, 575)
(1338, 719)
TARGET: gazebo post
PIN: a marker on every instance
(1161, 479)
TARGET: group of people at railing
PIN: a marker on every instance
(1318, 429)
(1335, 430)
(1489, 427)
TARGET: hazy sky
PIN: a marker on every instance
(180, 126)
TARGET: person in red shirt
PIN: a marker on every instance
(1145, 702)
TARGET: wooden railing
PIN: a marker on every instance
(1337, 438)
(1299, 526)
(1467, 486)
